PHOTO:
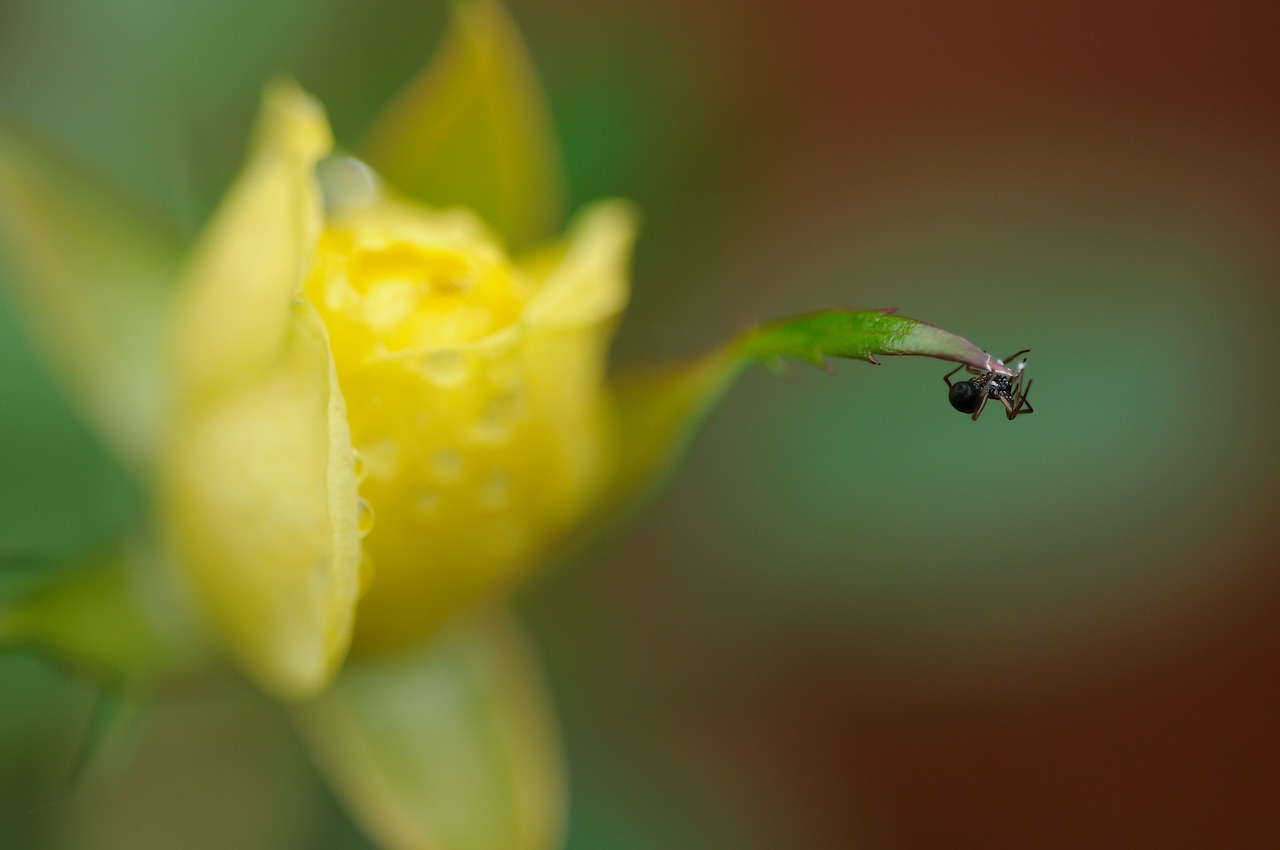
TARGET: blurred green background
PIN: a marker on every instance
(857, 619)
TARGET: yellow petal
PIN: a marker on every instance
(260, 490)
(259, 482)
(590, 281)
(482, 455)
(473, 130)
(234, 311)
(450, 746)
(91, 277)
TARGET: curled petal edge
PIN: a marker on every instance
(258, 482)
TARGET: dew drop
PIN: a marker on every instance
(361, 470)
(426, 503)
(347, 183)
(446, 368)
(495, 490)
(447, 465)
(499, 418)
(364, 518)
(381, 458)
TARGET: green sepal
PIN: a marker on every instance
(90, 276)
(474, 130)
(88, 614)
(447, 746)
(658, 412)
(111, 735)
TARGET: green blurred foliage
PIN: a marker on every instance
(59, 491)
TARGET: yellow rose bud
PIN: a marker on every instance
(376, 401)
(474, 390)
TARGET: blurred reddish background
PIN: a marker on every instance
(837, 123)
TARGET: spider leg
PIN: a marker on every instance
(1024, 406)
(1017, 384)
(1016, 399)
(982, 402)
(947, 377)
(1017, 403)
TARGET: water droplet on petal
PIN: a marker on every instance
(364, 518)
(426, 503)
(494, 490)
(360, 469)
(447, 465)
(499, 418)
(445, 368)
(381, 458)
(347, 182)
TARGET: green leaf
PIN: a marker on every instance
(473, 130)
(658, 410)
(89, 613)
(447, 747)
(860, 335)
(90, 276)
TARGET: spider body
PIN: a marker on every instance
(971, 396)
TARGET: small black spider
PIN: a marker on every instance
(971, 396)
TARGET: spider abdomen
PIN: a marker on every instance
(964, 396)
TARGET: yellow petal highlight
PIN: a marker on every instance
(259, 480)
(234, 315)
(473, 130)
(476, 396)
(448, 747)
(91, 277)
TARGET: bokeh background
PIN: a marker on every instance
(856, 619)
